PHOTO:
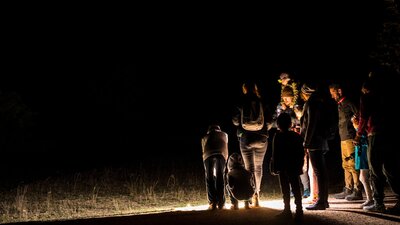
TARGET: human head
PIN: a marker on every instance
(307, 90)
(250, 88)
(213, 127)
(336, 91)
(284, 121)
(235, 160)
(368, 86)
(284, 78)
(288, 95)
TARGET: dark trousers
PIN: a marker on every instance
(287, 181)
(215, 184)
(317, 158)
(383, 160)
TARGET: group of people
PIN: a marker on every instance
(299, 147)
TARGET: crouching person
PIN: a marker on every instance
(240, 182)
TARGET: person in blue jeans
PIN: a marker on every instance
(215, 153)
(253, 143)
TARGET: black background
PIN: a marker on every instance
(109, 89)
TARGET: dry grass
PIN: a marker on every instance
(104, 192)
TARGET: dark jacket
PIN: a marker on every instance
(287, 152)
(239, 182)
(312, 128)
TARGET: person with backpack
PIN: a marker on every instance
(314, 131)
(346, 110)
(287, 162)
(215, 153)
(253, 120)
(240, 183)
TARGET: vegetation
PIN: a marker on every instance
(105, 192)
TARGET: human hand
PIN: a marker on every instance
(356, 140)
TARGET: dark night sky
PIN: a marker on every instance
(155, 82)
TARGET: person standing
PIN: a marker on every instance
(215, 153)
(289, 105)
(382, 155)
(313, 130)
(361, 164)
(253, 120)
(346, 110)
(287, 160)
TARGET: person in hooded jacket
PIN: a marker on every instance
(315, 143)
(240, 183)
(215, 153)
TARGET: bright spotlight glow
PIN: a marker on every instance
(273, 204)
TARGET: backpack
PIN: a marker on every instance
(252, 116)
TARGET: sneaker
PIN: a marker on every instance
(380, 208)
(306, 193)
(395, 210)
(342, 194)
(356, 195)
(247, 204)
(367, 203)
(256, 200)
(317, 206)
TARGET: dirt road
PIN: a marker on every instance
(341, 212)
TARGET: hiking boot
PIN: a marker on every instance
(356, 195)
(342, 194)
(395, 210)
(247, 204)
(367, 203)
(235, 206)
(376, 207)
(256, 200)
(306, 193)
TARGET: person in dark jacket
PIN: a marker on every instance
(383, 157)
(287, 160)
(346, 110)
(253, 144)
(313, 130)
(215, 153)
(240, 183)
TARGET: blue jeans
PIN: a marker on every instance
(253, 158)
(215, 184)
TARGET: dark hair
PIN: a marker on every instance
(284, 121)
